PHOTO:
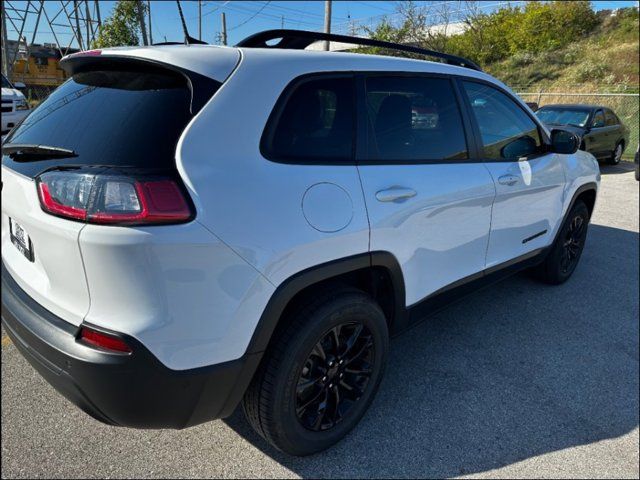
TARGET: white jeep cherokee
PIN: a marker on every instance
(186, 228)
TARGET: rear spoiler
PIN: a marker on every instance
(202, 87)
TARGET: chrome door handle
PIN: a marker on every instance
(508, 180)
(395, 194)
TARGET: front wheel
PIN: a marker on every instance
(565, 253)
(321, 374)
(616, 155)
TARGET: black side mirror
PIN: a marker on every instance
(563, 141)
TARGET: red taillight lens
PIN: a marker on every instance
(103, 341)
(112, 199)
(57, 208)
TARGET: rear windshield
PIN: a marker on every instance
(109, 117)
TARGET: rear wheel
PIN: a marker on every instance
(616, 155)
(321, 374)
(567, 249)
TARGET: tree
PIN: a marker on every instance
(122, 28)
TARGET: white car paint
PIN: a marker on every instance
(194, 293)
(11, 98)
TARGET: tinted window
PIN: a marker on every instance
(414, 118)
(315, 123)
(507, 131)
(598, 119)
(610, 118)
(116, 118)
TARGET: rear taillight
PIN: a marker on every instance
(113, 199)
(104, 341)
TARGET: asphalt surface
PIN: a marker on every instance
(518, 380)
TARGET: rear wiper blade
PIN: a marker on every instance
(36, 152)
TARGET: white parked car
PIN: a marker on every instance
(190, 228)
(14, 105)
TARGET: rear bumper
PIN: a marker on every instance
(133, 390)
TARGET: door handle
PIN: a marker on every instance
(508, 180)
(395, 194)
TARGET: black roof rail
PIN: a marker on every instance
(301, 39)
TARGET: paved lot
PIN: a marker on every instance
(519, 380)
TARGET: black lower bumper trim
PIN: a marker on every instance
(134, 390)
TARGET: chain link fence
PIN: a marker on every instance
(625, 105)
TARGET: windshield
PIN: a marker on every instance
(6, 83)
(109, 117)
(563, 116)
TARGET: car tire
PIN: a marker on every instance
(616, 155)
(564, 255)
(292, 401)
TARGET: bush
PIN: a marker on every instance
(538, 27)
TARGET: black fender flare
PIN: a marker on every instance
(288, 289)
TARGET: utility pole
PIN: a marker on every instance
(5, 45)
(149, 22)
(224, 28)
(199, 19)
(327, 22)
(282, 22)
(143, 29)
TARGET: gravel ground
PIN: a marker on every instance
(519, 380)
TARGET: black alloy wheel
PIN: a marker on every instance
(335, 376)
(573, 243)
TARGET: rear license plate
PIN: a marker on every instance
(20, 239)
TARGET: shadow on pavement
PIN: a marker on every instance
(514, 371)
(622, 167)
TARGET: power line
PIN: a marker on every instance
(278, 18)
(251, 17)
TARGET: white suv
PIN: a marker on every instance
(188, 228)
(14, 105)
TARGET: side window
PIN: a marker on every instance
(610, 118)
(598, 119)
(507, 131)
(316, 123)
(413, 118)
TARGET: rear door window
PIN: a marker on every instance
(110, 117)
(313, 122)
(413, 118)
(610, 118)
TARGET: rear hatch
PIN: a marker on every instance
(118, 116)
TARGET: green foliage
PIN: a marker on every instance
(538, 27)
(122, 27)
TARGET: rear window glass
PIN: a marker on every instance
(414, 118)
(315, 123)
(109, 117)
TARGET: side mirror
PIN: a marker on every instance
(19, 85)
(563, 141)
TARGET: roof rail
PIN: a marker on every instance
(301, 39)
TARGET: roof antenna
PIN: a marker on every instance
(188, 39)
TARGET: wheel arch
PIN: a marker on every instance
(377, 273)
(587, 193)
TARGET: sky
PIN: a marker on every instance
(247, 17)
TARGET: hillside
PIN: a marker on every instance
(604, 61)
